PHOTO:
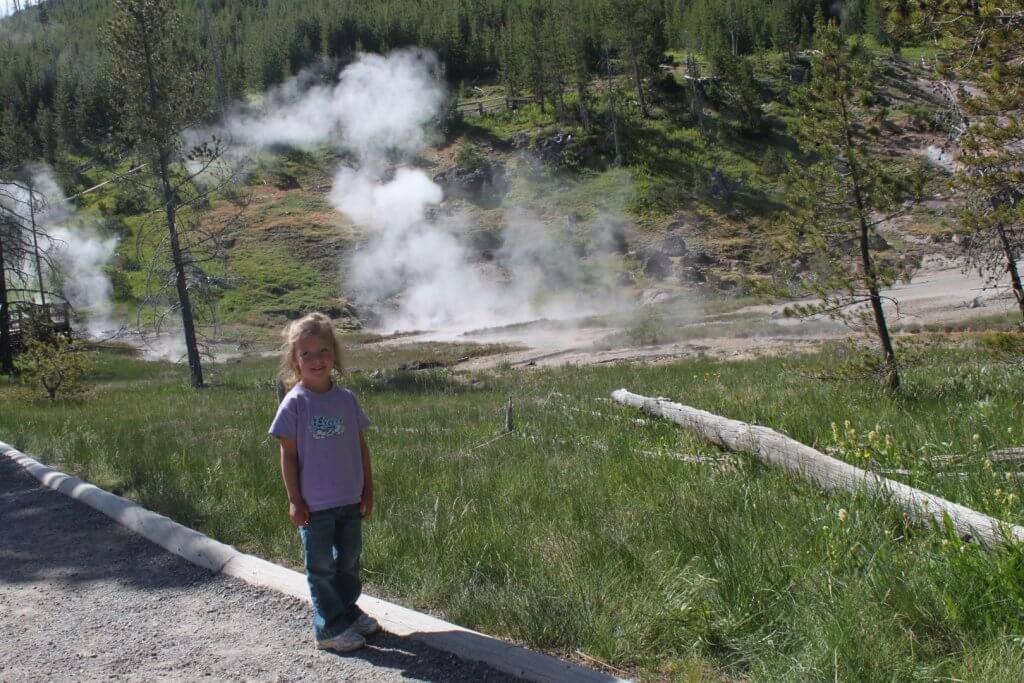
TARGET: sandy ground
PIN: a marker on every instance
(81, 598)
(939, 293)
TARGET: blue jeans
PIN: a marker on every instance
(333, 541)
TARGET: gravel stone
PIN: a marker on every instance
(82, 598)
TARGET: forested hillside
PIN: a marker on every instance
(55, 98)
(664, 128)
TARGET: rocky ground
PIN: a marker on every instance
(81, 598)
(940, 293)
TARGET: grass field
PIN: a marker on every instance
(581, 533)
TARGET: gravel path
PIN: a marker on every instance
(82, 598)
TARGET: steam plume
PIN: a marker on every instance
(72, 243)
(414, 267)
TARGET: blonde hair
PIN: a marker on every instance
(311, 325)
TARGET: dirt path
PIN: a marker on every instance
(81, 598)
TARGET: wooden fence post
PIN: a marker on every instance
(510, 420)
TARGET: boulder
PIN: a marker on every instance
(485, 185)
(655, 263)
(700, 258)
(673, 245)
(486, 243)
(689, 274)
(718, 186)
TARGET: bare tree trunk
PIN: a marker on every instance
(612, 114)
(634, 63)
(187, 321)
(559, 101)
(6, 350)
(35, 241)
(615, 135)
(892, 375)
(639, 85)
(215, 56)
(1011, 268)
(581, 95)
(697, 99)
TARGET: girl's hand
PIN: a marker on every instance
(366, 505)
(299, 513)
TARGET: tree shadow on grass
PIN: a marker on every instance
(677, 177)
(480, 135)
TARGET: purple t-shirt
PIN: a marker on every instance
(326, 428)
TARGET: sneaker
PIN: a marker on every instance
(346, 641)
(365, 625)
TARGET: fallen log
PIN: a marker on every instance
(903, 472)
(778, 450)
(1001, 455)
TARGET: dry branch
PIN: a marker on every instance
(773, 448)
(1001, 455)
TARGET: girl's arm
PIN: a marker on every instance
(297, 509)
(366, 505)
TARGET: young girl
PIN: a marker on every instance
(325, 464)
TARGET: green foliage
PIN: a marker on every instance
(741, 90)
(986, 46)
(54, 365)
(470, 157)
(742, 26)
(1004, 345)
(581, 531)
(59, 98)
(153, 74)
(830, 234)
(120, 286)
(649, 329)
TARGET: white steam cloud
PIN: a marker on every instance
(378, 103)
(71, 243)
(415, 267)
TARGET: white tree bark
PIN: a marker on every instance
(773, 448)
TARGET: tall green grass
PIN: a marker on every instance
(581, 532)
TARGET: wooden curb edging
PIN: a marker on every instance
(775, 449)
(225, 559)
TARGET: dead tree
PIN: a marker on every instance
(23, 259)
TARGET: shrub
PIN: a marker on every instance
(470, 157)
(55, 365)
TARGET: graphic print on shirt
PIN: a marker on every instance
(324, 426)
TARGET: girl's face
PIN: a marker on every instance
(314, 360)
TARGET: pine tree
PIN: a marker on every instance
(64, 108)
(837, 200)
(986, 46)
(15, 141)
(578, 62)
(635, 28)
(741, 90)
(159, 84)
